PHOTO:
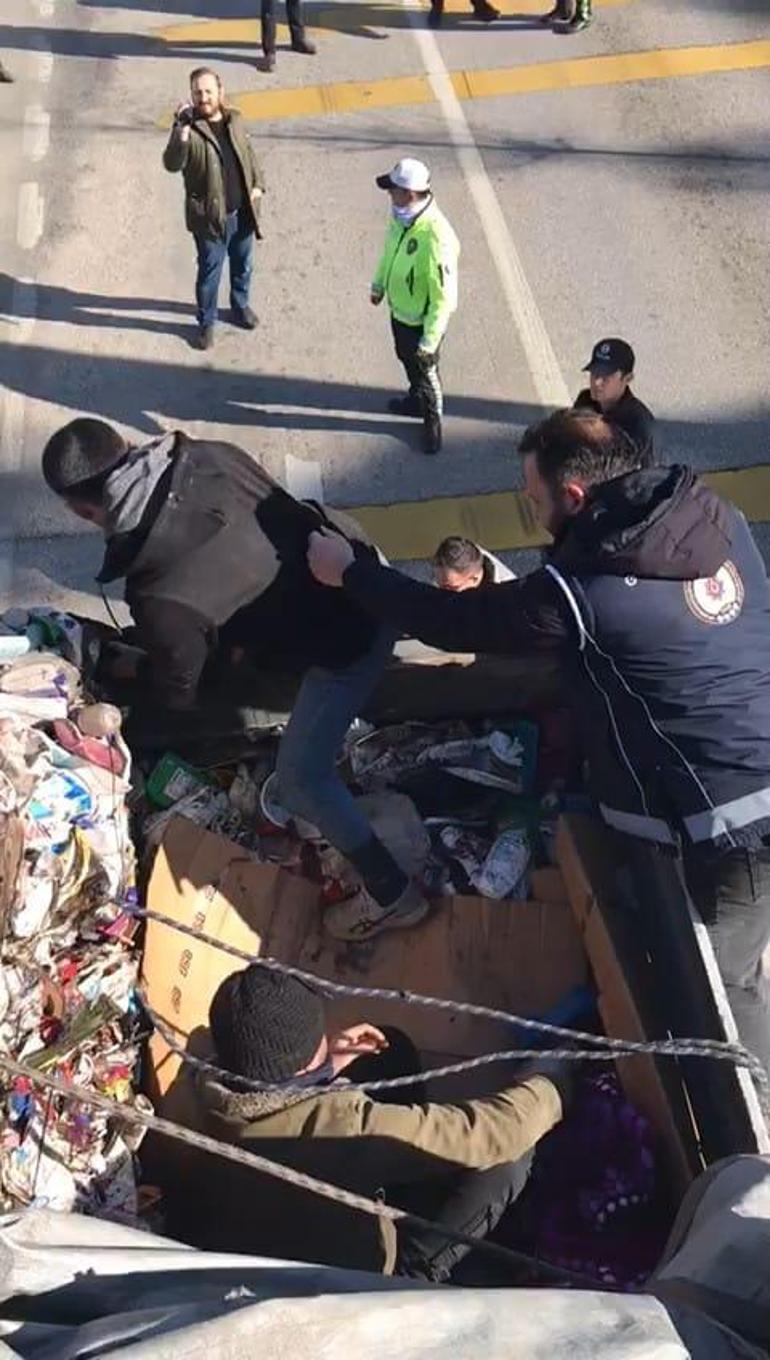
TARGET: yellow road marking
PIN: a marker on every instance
(342, 17)
(580, 72)
(503, 520)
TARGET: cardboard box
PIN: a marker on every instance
(515, 956)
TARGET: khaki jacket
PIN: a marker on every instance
(343, 1137)
(200, 161)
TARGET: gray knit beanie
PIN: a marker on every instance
(266, 1025)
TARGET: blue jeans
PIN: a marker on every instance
(308, 784)
(237, 245)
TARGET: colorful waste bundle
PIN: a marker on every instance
(67, 986)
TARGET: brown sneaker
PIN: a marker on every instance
(361, 918)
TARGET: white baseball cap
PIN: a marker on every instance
(407, 174)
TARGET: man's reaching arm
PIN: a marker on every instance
(522, 615)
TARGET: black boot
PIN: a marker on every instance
(580, 19)
(301, 43)
(486, 12)
(431, 435)
(436, 13)
(559, 14)
(574, 25)
(268, 44)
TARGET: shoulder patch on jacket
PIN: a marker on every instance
(716, 599)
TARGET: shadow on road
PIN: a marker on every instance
(52, 303)
(109, 46)
(126, 390)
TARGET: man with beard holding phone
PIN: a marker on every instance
(224, 185)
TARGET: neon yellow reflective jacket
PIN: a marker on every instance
(417, 273)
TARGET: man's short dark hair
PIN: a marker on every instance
(582, 445)
(266, 1026)
(458, 554)
(201, 71)
(79, 458)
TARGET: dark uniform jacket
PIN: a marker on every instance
(633, 417)
(200, 161)
(219, 558)
(657, 599)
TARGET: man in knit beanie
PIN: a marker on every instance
(460, 1165)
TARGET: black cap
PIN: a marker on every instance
(610, 355)
(266, 1026)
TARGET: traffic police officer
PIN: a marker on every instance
(417, 273)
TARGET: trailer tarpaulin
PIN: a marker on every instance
(74, 1287)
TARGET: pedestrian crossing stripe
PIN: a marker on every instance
(314, 101)
(503, 520)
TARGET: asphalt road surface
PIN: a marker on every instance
(614, 182)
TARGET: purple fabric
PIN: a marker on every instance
(593, 1191)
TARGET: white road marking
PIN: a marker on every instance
(12, 423)
(302, 479)
(37, 129)
(22, 311)
(43, 56)
(29, 220)
(543, 365)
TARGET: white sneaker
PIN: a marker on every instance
(361, 918)
(276, 813)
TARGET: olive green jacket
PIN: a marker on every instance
(343, 1137)
(200, 162)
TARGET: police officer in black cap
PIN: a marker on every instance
(611, 367)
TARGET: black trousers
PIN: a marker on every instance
(424, 381)
(293, 17)
(731, 890)
(471, 1202)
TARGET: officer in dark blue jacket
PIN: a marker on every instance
(657, 598)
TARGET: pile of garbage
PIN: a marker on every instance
(469, 808)
(69, 965)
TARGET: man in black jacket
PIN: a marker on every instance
(213, 552)
(656, 599)
(611, 372)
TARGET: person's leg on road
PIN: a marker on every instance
(211, 258)
(577, 21)
(561, 13)
(268, 32)
(240, 252)
(299, 39)
(309, 786)
(732, 893)
(431, 399)
(470, 1202)
(406, 340)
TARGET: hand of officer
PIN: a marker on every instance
(329, 555)
(425, 358)
(375, 297)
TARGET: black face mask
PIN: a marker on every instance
(320, 1076)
